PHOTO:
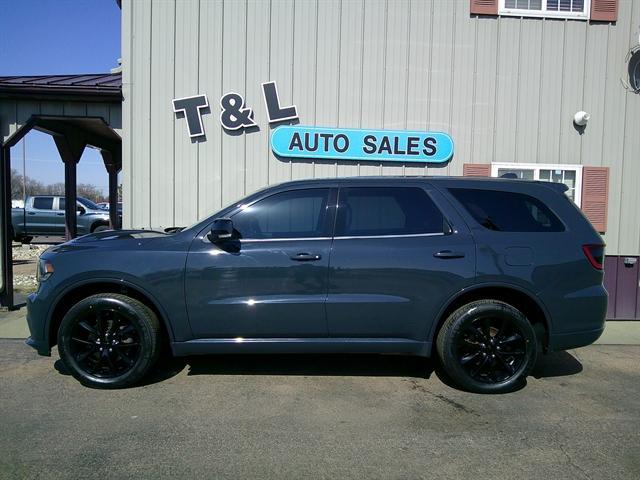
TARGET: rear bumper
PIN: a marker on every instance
(567, 341)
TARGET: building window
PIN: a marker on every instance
(578, 9)
(570, 175)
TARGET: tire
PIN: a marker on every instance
(487, 346)
(109, 340)
(100, 228)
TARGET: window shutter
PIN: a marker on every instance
(595, 196)
(484, 7)
(604, 10)
(476, 170)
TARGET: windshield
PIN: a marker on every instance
(88, 203)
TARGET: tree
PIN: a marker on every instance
(24, 185)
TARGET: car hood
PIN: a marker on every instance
(111, 235)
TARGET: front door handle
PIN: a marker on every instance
(31, 213)
(448, 254)
(306, 257)
(60, 214)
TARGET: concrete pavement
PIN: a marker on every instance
(314, 416)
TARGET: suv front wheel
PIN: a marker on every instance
(487, 346)
(109, 340)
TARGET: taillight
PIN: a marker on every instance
(595, 255)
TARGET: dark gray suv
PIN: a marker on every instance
(481, 273)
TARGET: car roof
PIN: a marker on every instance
(447, 181)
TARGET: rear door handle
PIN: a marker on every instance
(31, 213)
(448, 254)
(306, 257)
(60, 214)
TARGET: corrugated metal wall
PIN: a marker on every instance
(505, 89)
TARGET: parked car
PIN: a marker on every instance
(481, 273)
(44, 215)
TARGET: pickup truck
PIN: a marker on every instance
(44, 215)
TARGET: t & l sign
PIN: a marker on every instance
(297, 141)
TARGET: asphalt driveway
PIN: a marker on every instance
(321, 417)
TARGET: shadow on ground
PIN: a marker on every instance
(557, 364)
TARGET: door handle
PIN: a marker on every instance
(306, 257)
(60, 214)
(31, 213)
(448, 254)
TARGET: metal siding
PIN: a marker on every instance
(550, 91)
(372, 112)
(395, 74)
(629, 224)
(614, 150)
(462, 103)
(128, 202)
(210, 81)
(527, 119)
(280, 71)
(484, 76)
(163, 126)
(186, 84)
(233, 79)
(351, 60)
(505, 88)
(572, 88)
(258, 33)
(419, 67)
(327, 74)
(139, 127)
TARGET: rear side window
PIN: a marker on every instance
(507, 211)
(373, 211)
(43, 203)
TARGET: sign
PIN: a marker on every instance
(293, 141)
(234, 114)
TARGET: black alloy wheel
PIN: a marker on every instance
(487, 346)
(491, 350)
(105, 344)
(109, 340)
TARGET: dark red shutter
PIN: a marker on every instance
(484, 7)
(604, 10)
(595, 196)
(476, 170)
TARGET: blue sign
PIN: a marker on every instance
(294, 141)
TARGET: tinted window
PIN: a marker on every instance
(507, 211)
(293, 214)
(43, 203)
(369, 211)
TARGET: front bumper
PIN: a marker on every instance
(36, 319)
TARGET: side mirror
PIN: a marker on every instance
(80, 210)
(221, 230)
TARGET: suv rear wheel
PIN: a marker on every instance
(487, 346)
(109, 340)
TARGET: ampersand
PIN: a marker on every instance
(234, 114)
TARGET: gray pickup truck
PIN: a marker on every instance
(44, 215)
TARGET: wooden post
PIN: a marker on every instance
(70, 148)
(6, 262)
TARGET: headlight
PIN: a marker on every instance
(44, 270)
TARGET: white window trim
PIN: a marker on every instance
(544, 13)
(536, 167)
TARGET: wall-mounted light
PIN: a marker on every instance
(581, 119)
